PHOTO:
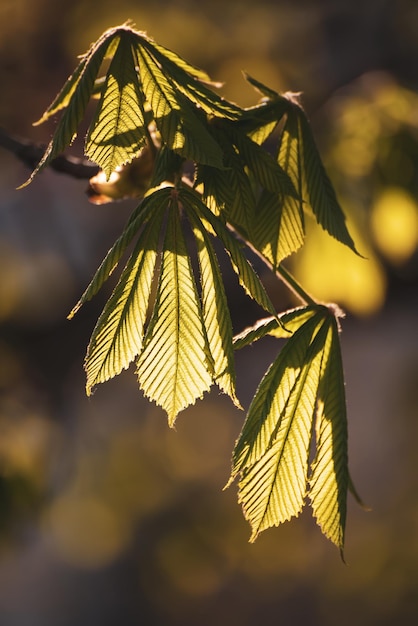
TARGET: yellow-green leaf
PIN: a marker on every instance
(74, 97)
(117, 131)
(329, 479)
(290, 322)
(151, 203)
(246, 275)
(272, 452)
(180, 123)
(278, 229)
(173, 368)
(118, 334)
(306, 164)
(215, 311)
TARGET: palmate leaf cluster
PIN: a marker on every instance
(257, 174)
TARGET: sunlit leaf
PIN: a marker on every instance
(272, 452)
(215, 311)
(262, 89)
(117, 337)
(74, 96)
(230, 189)
(306, 163)
(117, 131)
(329, 479)
(151, 202)
(291, 321)
(192, 82)
(242, 267)
(179, 123)
(263, 166)
(278, 229)
(173, 368)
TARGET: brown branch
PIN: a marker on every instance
(31, 153)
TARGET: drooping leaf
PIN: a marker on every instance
(173, 368)
(262, 89)
(215, 311)
(278, 228)
(291, 321)
(230, 190)
(166, 167)
(272, 452)
(307, 167)
(181, 125)
(152, 202)
(265, 169)
(117, 131)
(242, 267)
(273, 224)
(117, 337)
(329, 479)
(193, 82)
(290, 153)
(74, 97)
(215, 188)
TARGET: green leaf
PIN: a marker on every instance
(289, 155)
(152, 202)
(117, 131)
(265, 169)
(169, 59)
(246, 275)
(260, 87)
(278, 228)
(215, 310)
(74, 96)
(118, 334)
(181, 125)
(329, 478)
(308, 167)
(173, 367)
(230, 190)
(290, 322)
(166, 167)
(272, 452)
(192, 82)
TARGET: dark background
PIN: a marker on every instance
(109, 517)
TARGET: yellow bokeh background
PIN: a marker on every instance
(109, 517)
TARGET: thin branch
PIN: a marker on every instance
(31, 153)
(281, 272)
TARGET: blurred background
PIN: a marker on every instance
(106, 515)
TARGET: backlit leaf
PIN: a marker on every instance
(173, 368)
(215, 311)
(278, 228)
(117, 337)
(151, 202)
(74, 96)
(291, 321)
(193, 82)
(178, 121)
(265, 169)
(272, 452)
(307, 166)
(117, 131)
(246, 275)
(329, 479)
